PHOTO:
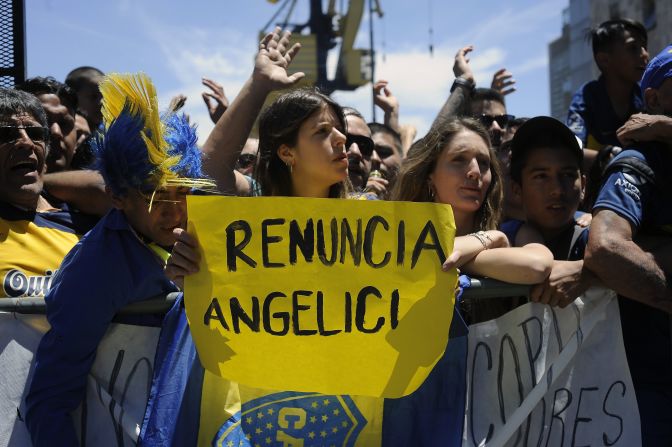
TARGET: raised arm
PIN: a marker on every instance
(459, 99)
(227, 139)
(503, 82)
(388, 103)
(215, 100)
(624, 266)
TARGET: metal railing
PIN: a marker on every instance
(481, 288)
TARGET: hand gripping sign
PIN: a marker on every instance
(322, 295)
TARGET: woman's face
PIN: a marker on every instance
(462, 174)
(319, 158)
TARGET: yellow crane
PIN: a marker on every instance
(327, 30)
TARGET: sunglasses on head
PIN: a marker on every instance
(37, 134)
(502, 120)
(365, 144)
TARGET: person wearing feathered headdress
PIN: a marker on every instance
(149, 163)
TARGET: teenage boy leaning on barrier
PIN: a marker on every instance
(547, 177)
(137, 251)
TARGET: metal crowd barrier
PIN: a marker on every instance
(481, 288)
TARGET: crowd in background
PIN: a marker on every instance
(559, 206)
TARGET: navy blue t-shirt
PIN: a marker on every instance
(646, 331)
(592, 117)
(560, 245)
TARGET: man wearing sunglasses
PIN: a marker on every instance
(487, 105)
(388, 150)
(362, 155)
(82, 189)
(35, 236)
(247, 159)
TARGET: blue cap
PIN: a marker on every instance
(659, 69)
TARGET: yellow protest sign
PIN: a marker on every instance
(321, 295)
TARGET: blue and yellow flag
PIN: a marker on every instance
(189, 406)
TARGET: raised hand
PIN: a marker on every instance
(215, 100)
(383, 97)
(274, 57)
(461, 67)
(503, 82)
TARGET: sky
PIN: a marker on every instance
(176, 43)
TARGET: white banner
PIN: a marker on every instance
(117, 388)
(545, 376)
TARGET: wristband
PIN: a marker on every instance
(469, 85)
(483, 238)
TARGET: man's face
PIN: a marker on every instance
(659, 101)
(359, 162)
(82, 129)
(386, 157)
(490, 109)
(61, 121)
(551, 189)
(247, 159)
(89, 99)
(169, 211)
(22, 160)
(627, 60)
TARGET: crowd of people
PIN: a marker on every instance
(93, 181)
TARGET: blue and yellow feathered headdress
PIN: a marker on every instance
(140, 149)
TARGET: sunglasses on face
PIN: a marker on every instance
(365, 144)
(502, 120)
(160, 201)
(246, 161)
(10, 134)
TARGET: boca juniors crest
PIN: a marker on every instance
(294, 419)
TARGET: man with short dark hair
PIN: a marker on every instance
(388, 153)
(60, 103)
(83, 156)
(359, 147)
(84, 81)
(603, 105)
(35, 235)
(630, 250)
(84, 189)
(488, 106)
(546, 174)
